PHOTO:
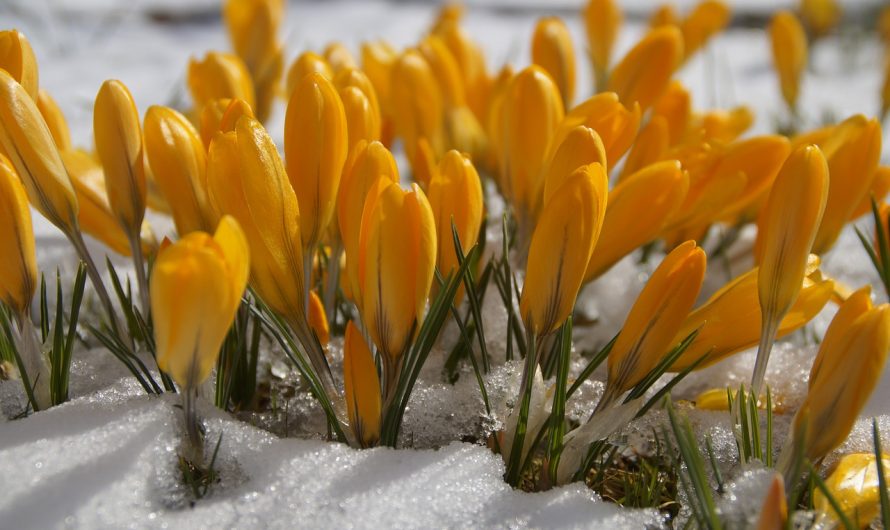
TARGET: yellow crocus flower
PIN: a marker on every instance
(455, 195)
(730, 320)
(664, 15)
(707, 18)
(318, 321)
(532, 109)
(221, 115)
(315, 139)
(847, 368)
(675, 105)
(417, 102)
(774, 510)
(791, 218)
(820, 16)
(18, 268)
(367, 163)
(644, 73)
(362, 387)
(179, 161)
(55, 120)
(650, 146)
(553, 51)
(638, 208)
(854, 485)
(472, 67)
(616, 124)
(219, 76)
(306, 63)
(853, 152)
(397, 260)
(561, 245)
(196, 288)
(602, 20)
(654, 319)
(880, 186)
(760, 158)
(17, 58)
(378, 58)
(339, 57)
(30, 147)
(118, 135)
(725, 126)
(581, 147)
(363, 120)
(789, 45)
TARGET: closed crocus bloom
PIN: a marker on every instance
(94, 216)
(339, 57)
(118, 135)
(645, 72)
(553, 51)
(855, 486)
(602, 20)
(306, 63)
(707, 19)
(560, 249)
(581, 147)
(362, 119)
(531, 111)
(315, 139)
(638, 208)
(791, 219)
(455, 195)
(820, 16)
(30, 146)
(397, 257)
(179, 162)
(55, 120)
(219, 76)
(649, 147)
(774, 510)
(367, 163)
(760, 159)
(856, 305)
(445, 70)
(378, 58)
(789, 44)
(675, 105)
(853, 153)
(616, 123)
(848, 370)
(232, 113)
(417, 102)
(362, 387)
(246, 179)
(654, 319)
(18, 268)
(17, 58)
(471, 64)
(196, 287)
(317, 319)
(729, 322)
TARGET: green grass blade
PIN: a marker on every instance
(882, 477)
(558, 411)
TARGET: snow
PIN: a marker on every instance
(108, 458)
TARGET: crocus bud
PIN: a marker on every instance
(378, 58)
(602, 20)
(363, 119)
(55, 120)
(789, 53)
(315, 139)
(645, 72)
(638, 208)
(707, 18)
(581, 147)
(362, 387)
(791, 219)
(30, 147)
(308, 62)
(397, 257)
(119, 147)
(675, 105)
(219, 76)
(847, 368)
(853, 152)
(196, 287)
(367, 163)
(455, 195)
(531, 111)
(615, 123)
(339, 57)
(221, 115)
(820, 16)
(654, 319)
(417, 102)
(179, 162)
(553, 51)
(560, 249)
(246, 179)
(729, 322)
(855, 486)
(17, 58)
(650, 146)
(18, 268)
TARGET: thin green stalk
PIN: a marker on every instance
(882, 476)
(525, 395)
(557, 415)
